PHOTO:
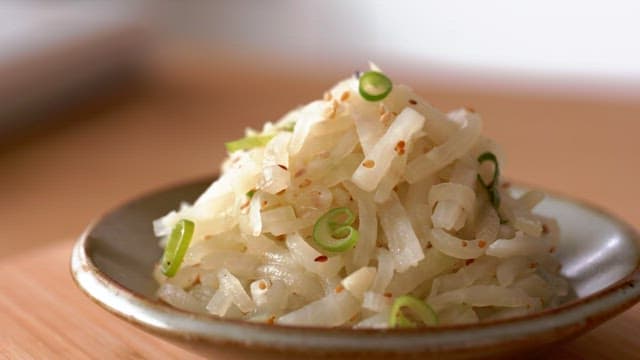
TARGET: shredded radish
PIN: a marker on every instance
(350, 203)
(401, 131)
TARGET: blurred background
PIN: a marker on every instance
(101, 101)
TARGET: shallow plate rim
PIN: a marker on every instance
(161, 318)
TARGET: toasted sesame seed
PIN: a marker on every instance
(300, 172)
(321, 258)
(482, 244)
(533, 265)
(469, 262)
(330, 112)
(369, 164)
(470, 109)
(413, 102)
(545, 229)
(464, 243)
(271, 320)
(400, 147)
(387, 295)
(345, 95)
(327, 96)
(283, 167)
(305, 183)
(505, 185)
(381, 109)
(339, 288)
(262, 285)
(386, 118)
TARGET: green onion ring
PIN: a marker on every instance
(419, 309)
(494, 197)
(374, 86)
(289, 127)
(248, 142)
(333, 235)
(489, 156)
(177, 246)
(492, 186)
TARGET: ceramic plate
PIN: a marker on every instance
(112, 263)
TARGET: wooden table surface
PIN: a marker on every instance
(171, 125)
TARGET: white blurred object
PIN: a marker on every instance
(569, 47)
(50, 51)
(570, 37)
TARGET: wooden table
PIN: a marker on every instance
(171, 126)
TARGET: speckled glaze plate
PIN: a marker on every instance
(112, 263)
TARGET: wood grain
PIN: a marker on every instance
(44, 315)
(171, 126)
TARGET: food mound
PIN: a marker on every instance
(368, 209)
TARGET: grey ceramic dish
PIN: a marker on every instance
(112, 262)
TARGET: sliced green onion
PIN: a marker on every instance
(289, 127)
(177, 246)
(492, 186)
(421, 314)
(332, 232)
(248, 142)
(374, 86)
(250, 193)
(489, 156)
(494, 197)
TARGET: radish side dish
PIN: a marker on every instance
(368, 208)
